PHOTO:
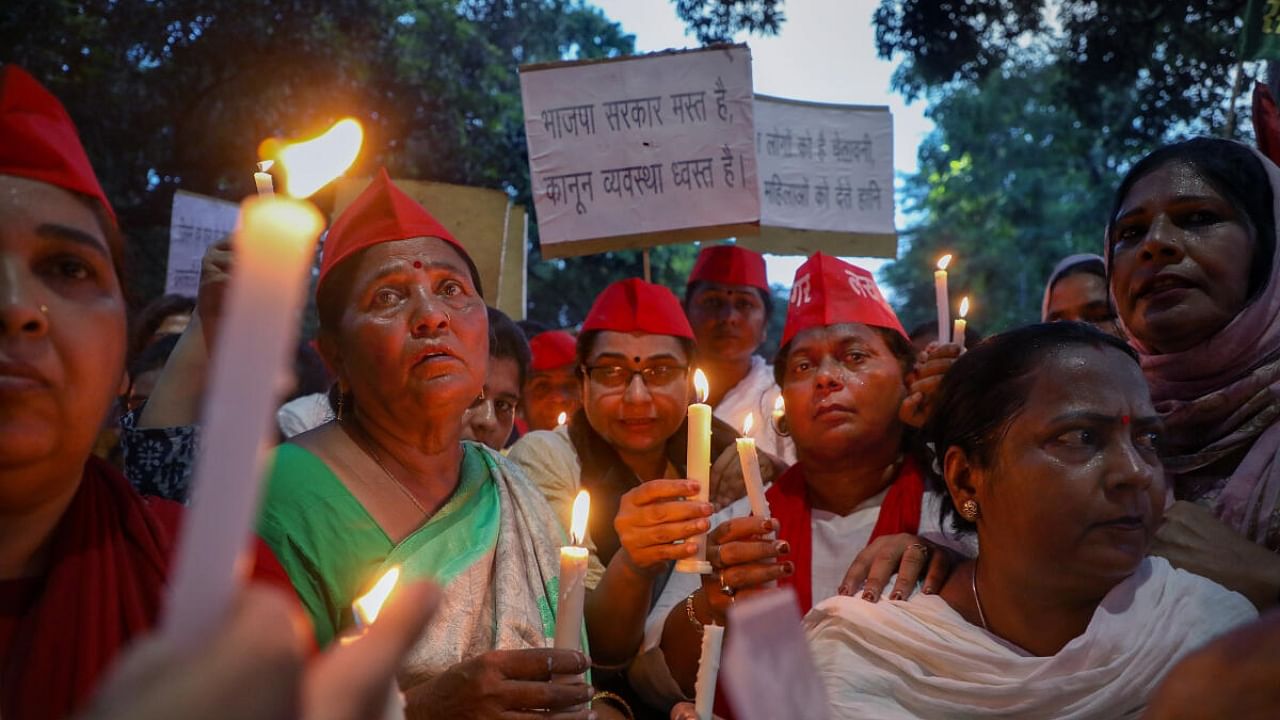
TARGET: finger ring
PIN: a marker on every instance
(924, 549)
(724, 587)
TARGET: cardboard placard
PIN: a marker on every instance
(197, 221)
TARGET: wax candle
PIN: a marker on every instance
(274, 247)
(698, 466)
(561, 419)
(708, 668)
(573, 575)
(751, 471)
(957, 332)
(262, 178)
(365, 610)
(779, 413)
(944, 302)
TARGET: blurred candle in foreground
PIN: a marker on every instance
(274, 246)
(365, 610)
(698, 466)
(957, 332)
(751, 471)
(942, 298)
(704, 685)
(262, 178)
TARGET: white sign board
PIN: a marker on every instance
(197, 222)
(827, 169)
(641, 151)
(767, 670)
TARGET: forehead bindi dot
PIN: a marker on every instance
(1124, 419)
(417, 264)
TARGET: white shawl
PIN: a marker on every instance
(756, 394)
(921, 659)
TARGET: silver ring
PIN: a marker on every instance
(724, 587)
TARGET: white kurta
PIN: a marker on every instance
(756, 394)
(920, 659)
(837, 540)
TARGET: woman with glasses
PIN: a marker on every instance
(627, 446)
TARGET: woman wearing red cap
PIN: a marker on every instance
(553, 387)
(843, 369)
(728, 303)
(628, 448)
(84, 558)
(391, 483)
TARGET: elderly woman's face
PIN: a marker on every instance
(1075, 490)
(62, 329)
(1181, 258)
(842, 386)
(636, 390)
(413, 341)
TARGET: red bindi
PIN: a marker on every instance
(417, 264)
(1124, 419)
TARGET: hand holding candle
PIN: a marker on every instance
(943, 298)
(698, 467)
(274, 248)
(957, 333)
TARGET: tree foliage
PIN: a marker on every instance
(715, 21)
(1039, 106)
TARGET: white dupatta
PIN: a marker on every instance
(921, 659)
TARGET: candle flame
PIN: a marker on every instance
(964, 306)
(779, 406)
(581, 508)
(367, 606)
(700, 384)
(311, 164)
(746, 424)
(266, 165)
(562, 419)
(944, 261)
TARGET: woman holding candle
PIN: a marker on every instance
(83, 558)
(390, 481)
(843, 368)
(1191, 251)
(1047, 442)
(729, 303)
(629, 447)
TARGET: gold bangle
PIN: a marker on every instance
(691, 614)
(616, 700)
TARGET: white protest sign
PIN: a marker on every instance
(196, 223)
(641, 151)
(766, 669)
(826, 178)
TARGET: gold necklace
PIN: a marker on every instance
(369, 451)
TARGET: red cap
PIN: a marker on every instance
(38, 141)
(829, 291)
(637, 306)
(731, 265)
(382, 213)
(553, 349)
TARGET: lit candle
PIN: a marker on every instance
(704, 685)
(365, 610)
(698, 466)
(262, 178)
(274, 247)
(957, 332)
(573, 575)
(944, 302)
(751, 471)
(779, 413)
(561, 419)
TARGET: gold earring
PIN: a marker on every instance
(969, 509)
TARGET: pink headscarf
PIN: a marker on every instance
(1221, 399)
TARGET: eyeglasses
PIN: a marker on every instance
(616, 377)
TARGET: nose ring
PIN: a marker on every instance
(44, 309)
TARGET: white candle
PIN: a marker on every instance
(274, 247)
(944, 302)
(751, 471)
(365, 610)
(573, 575)
(698, 467)
(708, 668)
(561, 419)
(957, 332)
(262, 178)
